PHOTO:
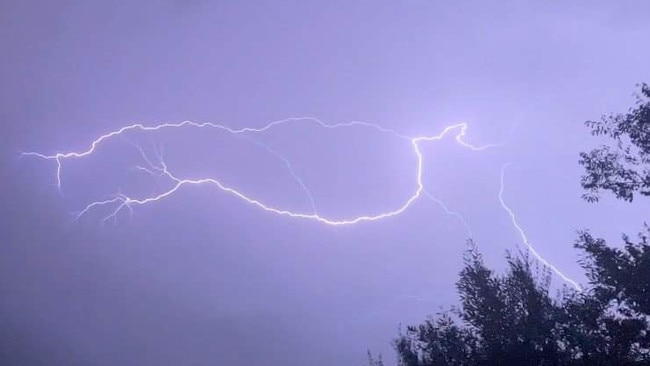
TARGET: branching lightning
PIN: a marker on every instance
(292, 172)
(126, 202)
(523, 236)
(159, 168)
(458, 215)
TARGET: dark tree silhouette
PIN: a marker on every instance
(621, 276)
(623, 169)
(503, 320)
(510, 319)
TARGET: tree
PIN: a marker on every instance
(621, 276)
(623, 169)
(374, 362)
(511, 319)
(502, 320)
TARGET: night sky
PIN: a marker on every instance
(202, 277)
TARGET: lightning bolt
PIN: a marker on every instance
(126, 202)
(523, 236)
(292, 172)
(160, 169)
(458, 215)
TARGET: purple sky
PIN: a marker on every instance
(204, 279)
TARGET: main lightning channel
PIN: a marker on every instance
(126, 202)
(523, 235)
(160, 169)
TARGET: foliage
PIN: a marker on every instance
(374, 362)
(512, 320)
(499, 322)
(623, 169)
(619, 274)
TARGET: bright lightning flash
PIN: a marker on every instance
(124, 202)
(523, 236)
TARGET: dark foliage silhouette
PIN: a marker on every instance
(510, 319)
(624, 167)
